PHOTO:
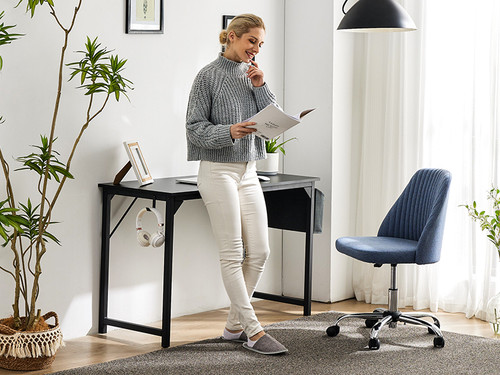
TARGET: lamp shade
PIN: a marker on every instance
(377, 15)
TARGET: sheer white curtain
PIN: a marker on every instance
(431, 98)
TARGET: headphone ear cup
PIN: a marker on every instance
(157, 239)
(143, 238)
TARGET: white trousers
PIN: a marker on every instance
(235, 203)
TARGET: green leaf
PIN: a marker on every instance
(3, 234)
(488, 223)
(62, 171)
(4, 221)
(8, 220)
(6, 37)
(31, 221)
(32, 4)
(99, 71)
(20, 220)
(272, 146)
(44, 160)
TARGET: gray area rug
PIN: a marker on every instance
(404, 350)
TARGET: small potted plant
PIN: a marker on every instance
(491, 225)
(270, 165)
(27, 341)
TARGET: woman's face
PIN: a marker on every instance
(245, 48)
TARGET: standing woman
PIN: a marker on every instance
(225, 93)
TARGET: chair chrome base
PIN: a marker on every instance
(382, 317)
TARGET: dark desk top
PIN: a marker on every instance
(163, 188)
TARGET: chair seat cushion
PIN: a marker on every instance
(378, 250)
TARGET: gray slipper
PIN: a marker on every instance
(243, 338)
(266, 345)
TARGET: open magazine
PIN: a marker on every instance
(272, 121)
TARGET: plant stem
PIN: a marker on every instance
(17, 263)
(39, 241)
(68, 164)
(17, 293)
(8, 186)
(34, 291)
(52, 132)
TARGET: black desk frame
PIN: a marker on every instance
(290, 206)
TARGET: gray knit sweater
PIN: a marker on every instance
(222, 95)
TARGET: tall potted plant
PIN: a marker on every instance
(270, 165)
(27, 341)
(491, 225)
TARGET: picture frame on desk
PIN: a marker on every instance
(138, 162)
(144, 17)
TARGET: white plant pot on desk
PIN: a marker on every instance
(270, 165)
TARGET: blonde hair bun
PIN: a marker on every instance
(223, 37)
(240, 25)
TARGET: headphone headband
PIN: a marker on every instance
(143, 237)
(159, 219)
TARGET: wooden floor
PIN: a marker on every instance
(121, 343)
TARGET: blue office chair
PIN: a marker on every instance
(411, 232)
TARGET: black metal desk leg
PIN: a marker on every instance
(308, 255)
(167, 272)
(104, 276)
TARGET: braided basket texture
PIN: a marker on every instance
(27, 351)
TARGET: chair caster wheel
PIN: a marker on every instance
(438, 342)
(437, 324)
(374, 344)
(333, 331)
(370, 322)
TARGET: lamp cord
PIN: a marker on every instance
(343, 6)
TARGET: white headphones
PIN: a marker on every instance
(145, 239)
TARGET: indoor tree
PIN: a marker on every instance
(24, 225)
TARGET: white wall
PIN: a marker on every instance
(303, 59)
(318, 74)
(162, 68)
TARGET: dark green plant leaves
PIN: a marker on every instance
(100, 72)
(39, 161)
(8, 219)
(32, 4)
(32, 220)
(26, 222)
(6, 37)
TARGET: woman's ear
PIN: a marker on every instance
(231, 36)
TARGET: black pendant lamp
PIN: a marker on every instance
(376, 16)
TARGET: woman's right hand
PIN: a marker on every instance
(241, 130)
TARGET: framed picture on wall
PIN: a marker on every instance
(226, 19)
(144, 17)
(138, 163)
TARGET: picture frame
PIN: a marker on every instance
(226, 20)
(144, 17)
(138, 162)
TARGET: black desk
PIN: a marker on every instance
(290, 206)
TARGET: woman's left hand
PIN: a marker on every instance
(255, 74)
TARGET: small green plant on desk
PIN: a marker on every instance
(273, 146)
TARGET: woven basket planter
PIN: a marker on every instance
(27, 351)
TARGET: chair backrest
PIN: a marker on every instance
(419, 213)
